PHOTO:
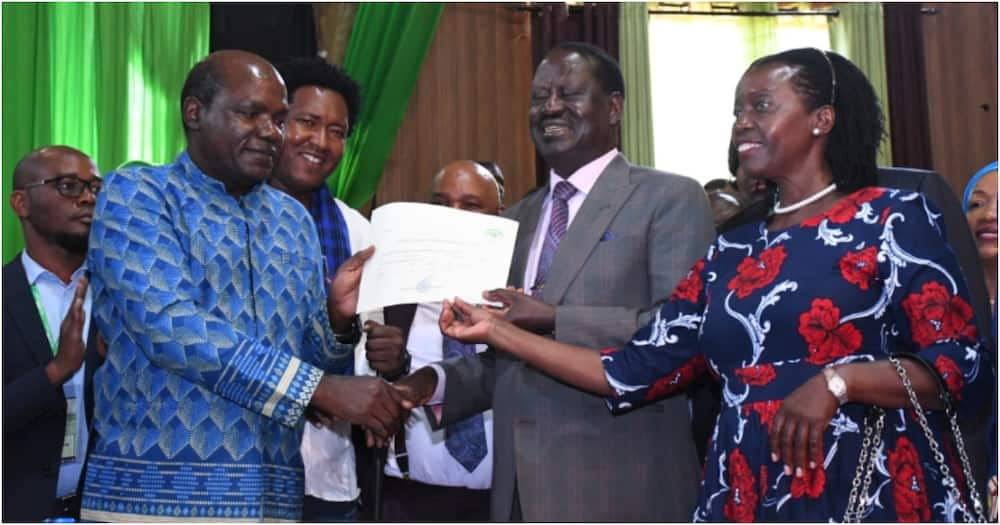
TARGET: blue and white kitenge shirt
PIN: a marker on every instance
(214, 313)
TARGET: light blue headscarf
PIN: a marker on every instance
(972, 183)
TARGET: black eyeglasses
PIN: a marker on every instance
(71, 187)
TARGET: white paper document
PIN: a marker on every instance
(426, 253)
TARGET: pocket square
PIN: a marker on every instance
(608, 235)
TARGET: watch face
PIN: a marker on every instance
(838, 388)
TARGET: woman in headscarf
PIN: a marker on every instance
(980, 205)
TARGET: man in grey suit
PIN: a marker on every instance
(596, 255)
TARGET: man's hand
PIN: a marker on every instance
(524, 311)
(384, 348)
(318, 418)
(418, 387)
(342, 290)
(69, 355)
(362, 400)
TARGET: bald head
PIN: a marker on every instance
(466, 185)
(224, 69)
(234, 108)
(55, 221)
(38, 164)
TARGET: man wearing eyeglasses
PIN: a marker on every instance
(49, 353)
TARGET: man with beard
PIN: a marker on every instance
(598, 247)
(323, 105)
(49, 353)
(209, 290)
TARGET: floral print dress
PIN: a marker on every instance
(765, 311)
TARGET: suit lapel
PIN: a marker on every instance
(20, 304)
(400, 316)
(611, 190)
(527, 218)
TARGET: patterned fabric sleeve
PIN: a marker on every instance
(929, 299)
(664, 356)
(144, 297)
(334, 357)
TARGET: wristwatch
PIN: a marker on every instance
(835, 384)
(353, 336)
(404, 369)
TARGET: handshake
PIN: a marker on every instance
(380, 407)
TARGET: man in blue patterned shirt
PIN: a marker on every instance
(209, 290)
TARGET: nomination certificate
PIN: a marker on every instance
(426, 253)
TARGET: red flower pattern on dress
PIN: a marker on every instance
(847, 208)
(741, 502)
(756, 273)
(827, 339)
(690, 287)
(860, 268)
(952, 375)
(936, 315)
(810, 484)
(885, 215)
(908, 489)
(766, 410)
(677, 379)
(757, 375)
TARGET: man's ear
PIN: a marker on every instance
(21, 203)
(191, 112)
(617, 102)
(824, 118)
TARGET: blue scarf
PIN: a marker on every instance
(334, 239)
(972, 183)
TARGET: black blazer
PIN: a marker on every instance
(34, 411)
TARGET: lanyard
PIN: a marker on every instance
(45, 318)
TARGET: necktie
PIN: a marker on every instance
(558, 220)
(465, 439)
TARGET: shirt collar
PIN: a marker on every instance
(34, 271)
(584, 178)
(200, 177)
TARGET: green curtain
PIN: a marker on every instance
(387, 47)
(760, 33)
(633, 51)
(104, 78)
(857, 33)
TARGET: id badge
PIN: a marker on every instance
(69, 435)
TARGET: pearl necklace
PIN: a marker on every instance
(778, 209)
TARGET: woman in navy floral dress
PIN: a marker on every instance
(796, 315)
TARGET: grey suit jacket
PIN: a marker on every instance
(558, 449)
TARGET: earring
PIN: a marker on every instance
(816, 132)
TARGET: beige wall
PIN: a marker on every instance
(470, 102)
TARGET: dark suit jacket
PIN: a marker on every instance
(557, 448)
(34, 411)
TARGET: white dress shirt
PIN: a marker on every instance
(328, 455)
(430, 461)
(56, 298)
